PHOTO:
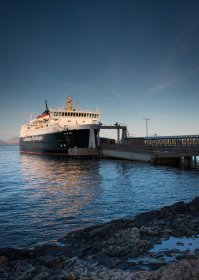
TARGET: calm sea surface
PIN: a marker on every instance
(42, 198)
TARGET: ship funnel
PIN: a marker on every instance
(69, 103)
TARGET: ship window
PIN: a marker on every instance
(62, 114)
(84, 115)
(69, 120)
(65, 114)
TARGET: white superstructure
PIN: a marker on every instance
(59, 119)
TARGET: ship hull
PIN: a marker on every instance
(55, 143)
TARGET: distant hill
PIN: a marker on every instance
(12, 141)
(2, 143)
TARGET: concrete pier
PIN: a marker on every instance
(185, 158)
(178, 151)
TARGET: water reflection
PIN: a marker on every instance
(41, 198)
(62, 186)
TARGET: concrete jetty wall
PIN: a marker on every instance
(122, 154)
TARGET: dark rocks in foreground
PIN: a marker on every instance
(121, 249)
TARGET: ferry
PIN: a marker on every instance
(57, 130)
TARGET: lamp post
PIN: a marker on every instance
(146, 119)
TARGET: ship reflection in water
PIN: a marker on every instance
(56, 190)
(62, 186)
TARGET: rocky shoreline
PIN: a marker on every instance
(161, 244)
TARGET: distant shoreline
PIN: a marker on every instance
(14, 141)
(16, 144)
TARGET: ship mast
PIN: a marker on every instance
(47, 109)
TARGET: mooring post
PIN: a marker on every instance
(194, 161)
(187, 162)
(124, 133)
(118, 135)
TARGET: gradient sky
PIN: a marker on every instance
(132, 59)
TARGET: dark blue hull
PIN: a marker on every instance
(55, 143)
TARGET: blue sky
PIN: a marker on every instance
(132, 59)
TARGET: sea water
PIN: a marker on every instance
(42, 197)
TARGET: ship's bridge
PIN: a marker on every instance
(76, 114)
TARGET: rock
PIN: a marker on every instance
(151, 230)
(194, 205)
(182, 270)
(103, 251)
(123, 243)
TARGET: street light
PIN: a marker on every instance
(146, 119)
